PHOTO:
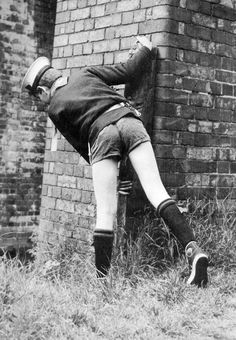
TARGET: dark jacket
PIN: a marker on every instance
(78, 109)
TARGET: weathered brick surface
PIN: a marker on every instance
(194, 118)
(26, 31)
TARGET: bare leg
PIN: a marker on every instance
(105, 189)
(144, 163)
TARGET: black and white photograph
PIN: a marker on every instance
(117, 169)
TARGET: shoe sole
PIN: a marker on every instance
(198, 274)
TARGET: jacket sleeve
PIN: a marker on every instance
(124, 72)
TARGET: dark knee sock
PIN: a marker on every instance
(103, 243)
(176, 221)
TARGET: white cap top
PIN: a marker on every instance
(34, 73)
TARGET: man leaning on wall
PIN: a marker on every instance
(103, 127)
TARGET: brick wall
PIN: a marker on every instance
(194, 126)
(26, 31)
(194, 116)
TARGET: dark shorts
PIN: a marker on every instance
(118, 139)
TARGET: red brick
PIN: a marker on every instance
(66, 181)
(109, 20)
(127, 30)
(72, 4)
(82, 3)
(86, 197)
(56, 192)
(85, 210)
(66, 206)
(184, 138)
(204, 20)
(87, 48)
(172, 95)
(225, 51)
(98, 11)
(223, 11)
(59, 64)
(158, 25)
(127, 18)
(109, 59)
(193, 5)
(89, 24)
(200, 99)
(61, 40)
(228, 90)
(176, 124)
(180, 15)
(79, 37)
(224, 76)
(95, 59)
(84, 184)
(139, 15)
(170, 151)
(198, 32)
(127, 5)
(79, 26)
(81, 13)
(97, 35)
(48, 202)
(174, 180)
(225, 103)
(224, 167)
(62, 17)
(68, 51)
(50, 179)
(224, 37)
(77, 49)
(106, 46)
(228, 64)
(111, 8)
(71, 194)
(162, 137)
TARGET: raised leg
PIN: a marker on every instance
(144, 163)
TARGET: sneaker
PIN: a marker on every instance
(198, 263)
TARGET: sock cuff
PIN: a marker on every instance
(164, 204)
(193, 242)
(103, 233)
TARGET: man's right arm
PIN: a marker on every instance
(125, 72)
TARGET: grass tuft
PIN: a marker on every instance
(214, 223)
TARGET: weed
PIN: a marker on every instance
(214, 223)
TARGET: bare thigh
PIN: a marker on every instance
(145, 165)
(105, 188)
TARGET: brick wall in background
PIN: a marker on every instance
(194, 122)
(26, 31)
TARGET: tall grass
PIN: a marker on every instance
(149, 244)
(145, 296)
(214, 223)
